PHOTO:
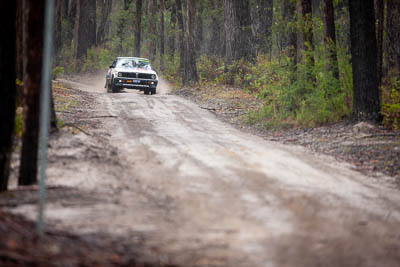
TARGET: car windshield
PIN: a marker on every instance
(144, 65)
(126, 63)
(131, 63)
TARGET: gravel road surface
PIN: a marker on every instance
(162, 171)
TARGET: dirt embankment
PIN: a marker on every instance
(372, 150)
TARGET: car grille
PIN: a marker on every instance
(135, 75)
(128, 74)
(144, 76)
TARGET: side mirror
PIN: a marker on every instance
(111, 67)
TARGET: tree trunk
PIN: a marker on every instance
(238, 34)
(57, 41)
(265, 15)
(53, 116)
(217, 41)
(305, 36)
(199, 28)
(392, 42)
(105, 12)
(127, 4)
(171, 39)
(33, 45)
(19, 53)
(81, 31)
(138, 28)
(151, 16)
(379, 15)
(85, 27)
(92, 22)
(72, 20)
(64, 8)
(366, 105)
(229, 32)
(190, 71)
(288, 42)
(181, 37)
(8, 92)
(330, 37)
(162, 34)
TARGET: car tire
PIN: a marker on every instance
(115, 89)
(146, 91)
(153, 91)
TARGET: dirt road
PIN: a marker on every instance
(163, 172)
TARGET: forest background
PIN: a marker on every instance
(295, 55)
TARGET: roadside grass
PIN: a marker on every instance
(63, 100)
(66, 103)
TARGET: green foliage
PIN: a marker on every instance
(209, 69)
(60, 123)
(122, 28)
(391, 104)
(97, 59)
(308, 96)
(18, 82)
(171, 68)
(305, 94)
(346, 77)
(18, 123)
(308, 102)
(57, 71)
(67, 59)
(342, 24)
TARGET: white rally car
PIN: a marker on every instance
(131, 72)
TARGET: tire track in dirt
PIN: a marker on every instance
(201, 193)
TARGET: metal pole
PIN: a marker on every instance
(45, 109)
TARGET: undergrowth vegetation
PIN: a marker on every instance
(391, 103)
(293, 93)
(289, 98)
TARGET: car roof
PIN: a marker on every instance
(137, 58)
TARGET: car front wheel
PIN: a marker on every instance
(114, 88)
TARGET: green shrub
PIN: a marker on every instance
(58, 70)
(391, 104)
(210, 69)
(171, 69)
(18, 123)
(96, 59)
(310, 96)
(67, 59)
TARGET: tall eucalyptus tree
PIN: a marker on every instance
(190, 71)
(8, 91)
(366, 104)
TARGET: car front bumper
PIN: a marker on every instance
(135, 83)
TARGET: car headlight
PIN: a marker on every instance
(153, 76)
(119, 74)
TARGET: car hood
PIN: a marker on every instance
(136, 70)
